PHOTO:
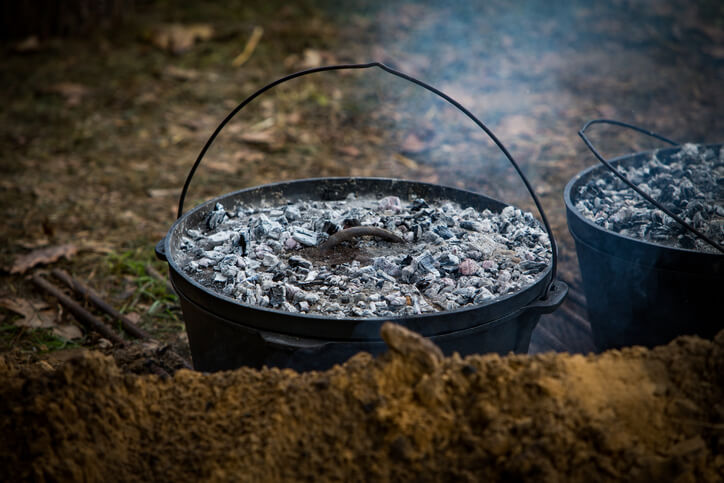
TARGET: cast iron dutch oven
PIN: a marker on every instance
(225, 333)
(637, 292)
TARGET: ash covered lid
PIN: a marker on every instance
(690, 183)
(403, 257)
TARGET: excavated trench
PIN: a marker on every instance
(411, 414)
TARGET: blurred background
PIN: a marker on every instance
(106, 105)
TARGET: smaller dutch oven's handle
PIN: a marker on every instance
(450, 100)
(638, 190)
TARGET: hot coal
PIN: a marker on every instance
(450, 256)
(690, 184)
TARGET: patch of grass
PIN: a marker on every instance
(151, 297)
(31, 340)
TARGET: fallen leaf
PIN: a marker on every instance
(247, 156)
(222, 166)
(29, 44)
(45, 366)
(314, 58)
(349, 151)
(73, 92)
(134, 317)
(33, 313)
(178, 38)
(43, 256)
(177, 133)
(130, 215)
(607, 110)
(164, 192)
(431, 178)
(31, 244)
(179, 73)
(291, 118)
(311, 58)
(104, 343)
(68, 332)
(96, 247)
(150, 345)
(413, 144)
(516, 126)
(259, 137)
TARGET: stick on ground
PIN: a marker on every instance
(89, 294)
(81, 314)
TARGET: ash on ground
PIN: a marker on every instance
(690, 184)
(452, 256)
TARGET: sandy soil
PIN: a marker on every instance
(635, 414)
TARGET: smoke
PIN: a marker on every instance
(496, 59)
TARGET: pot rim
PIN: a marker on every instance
(538, 285)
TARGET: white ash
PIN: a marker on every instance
(453, 256)
(690, 184)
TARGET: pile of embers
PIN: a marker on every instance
(449, 256)
(690, 184)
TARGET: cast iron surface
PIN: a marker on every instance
(219, 344)
(627, 247)
(638, 292)
(345, 328)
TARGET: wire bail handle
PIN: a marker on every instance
(450, 100)
(633, 186)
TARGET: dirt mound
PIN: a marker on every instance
(410, 414)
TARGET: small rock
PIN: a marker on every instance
(468, 267)
(330, 228)
(448, 261)
(277, 295)
(270, 260)
(292, 213)
(425, 262)
(305, 237)
(216, 216)
(471, 225)
(291, 244)
(418, 204)
(297, 261)
(444, 232)
(390, 203)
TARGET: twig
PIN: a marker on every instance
(357, 231)
(81, 314)
(89, 294)
(154, 273)
(127, 324)
(249, 47)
